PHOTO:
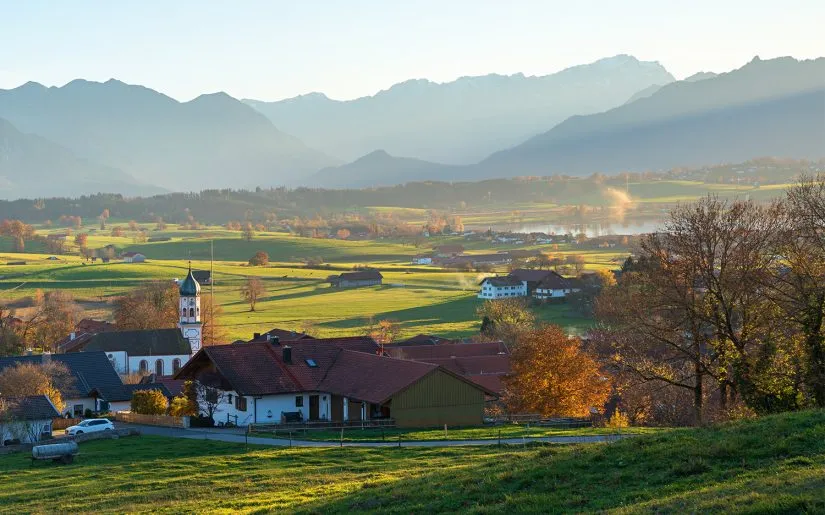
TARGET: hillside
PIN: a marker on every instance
(211, 141)
(381, 169)
(773, 464)
(462, 121)
(764, 108)
(34, 167)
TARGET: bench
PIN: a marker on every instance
(291, 417)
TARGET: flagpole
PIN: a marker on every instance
(212, 290)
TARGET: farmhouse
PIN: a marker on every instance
(96, 385)
(448, 250)
(369, 277)
(204, 277)
(281, 334)
(554, 286)
(502, 287)
(532, 277)
(133, 257)
(26, 419)
(422, 259)
(332, 380)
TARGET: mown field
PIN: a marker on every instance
(422, 299)
(772, 465)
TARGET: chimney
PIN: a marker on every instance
(256, 336)
(287, 354)
(274, 340)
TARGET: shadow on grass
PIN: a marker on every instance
(451, 311)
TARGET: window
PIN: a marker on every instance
(240, 403)
(192, 312)
(175, 365)
(159, 367)
(143, 366)
(299, 401)
(311, 363)
(77, 409)
(183, 312)
(229, 398)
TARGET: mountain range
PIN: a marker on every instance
(88, 137)
(212, 141)
(463, 121)
(766, 108)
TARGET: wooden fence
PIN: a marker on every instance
(63, 423)
(328, 425)
(151, 420)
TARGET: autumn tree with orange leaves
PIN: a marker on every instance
(553, 376)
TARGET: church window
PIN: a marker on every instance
(159, 367)
(143, 366)
(183, 312)
(191, 312)
(175, 365)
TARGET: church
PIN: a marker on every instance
(156, 351)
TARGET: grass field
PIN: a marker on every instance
(772, 465)
(422, 299)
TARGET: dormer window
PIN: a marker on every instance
(311, 363)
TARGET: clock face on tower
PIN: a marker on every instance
(194, 338)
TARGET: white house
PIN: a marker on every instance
(26, 419)
(333, 380)
(502, 287)
(95, 383)
(422, 260)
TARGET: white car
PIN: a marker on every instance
(92, 425)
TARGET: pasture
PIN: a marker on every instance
(773, 464)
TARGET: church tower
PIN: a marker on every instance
(190, 311)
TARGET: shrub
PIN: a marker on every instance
(182, 407)
(149, 402)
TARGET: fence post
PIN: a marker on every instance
(290, 439)
(342, 436)
(445, 431)
(399, 440)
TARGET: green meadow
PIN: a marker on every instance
(422, 299)
(771, 465)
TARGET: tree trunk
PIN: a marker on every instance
(698, 397)
(816, 373)
(723, 395)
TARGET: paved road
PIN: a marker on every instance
(237, 436)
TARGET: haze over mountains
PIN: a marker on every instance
(463, 121)
(766, 108)
(211, 141)
(613, 115)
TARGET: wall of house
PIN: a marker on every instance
(550, 294)
(134, 363)
(437, 399)
(488, 291)
(27, 431)
(358, 284)
(86, 403)
(267, 409)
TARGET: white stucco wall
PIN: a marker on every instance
(488, 291)
(550, 294)
(267, 409)
(86, 402)
(134, 363)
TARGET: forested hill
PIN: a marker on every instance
(220, 206)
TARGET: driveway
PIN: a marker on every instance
(237, 435)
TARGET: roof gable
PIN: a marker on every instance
(33, 407)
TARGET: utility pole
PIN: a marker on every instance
(212, 291)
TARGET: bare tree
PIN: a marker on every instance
(252, 290)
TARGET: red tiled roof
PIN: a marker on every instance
(523, 274)
(447, 350)
(282, 334)
(372, 378)
(470, 365)
(361, 275)
(554, 282)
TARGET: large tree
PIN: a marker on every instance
(552, 375)
(25, 379)
(154, 305)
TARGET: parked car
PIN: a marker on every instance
(91, 425)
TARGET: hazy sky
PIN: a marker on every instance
(348, 48)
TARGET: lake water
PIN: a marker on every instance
(630, 228)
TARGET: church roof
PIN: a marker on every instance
(147, 342)
(189, 287)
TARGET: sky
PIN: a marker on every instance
(274, 49)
